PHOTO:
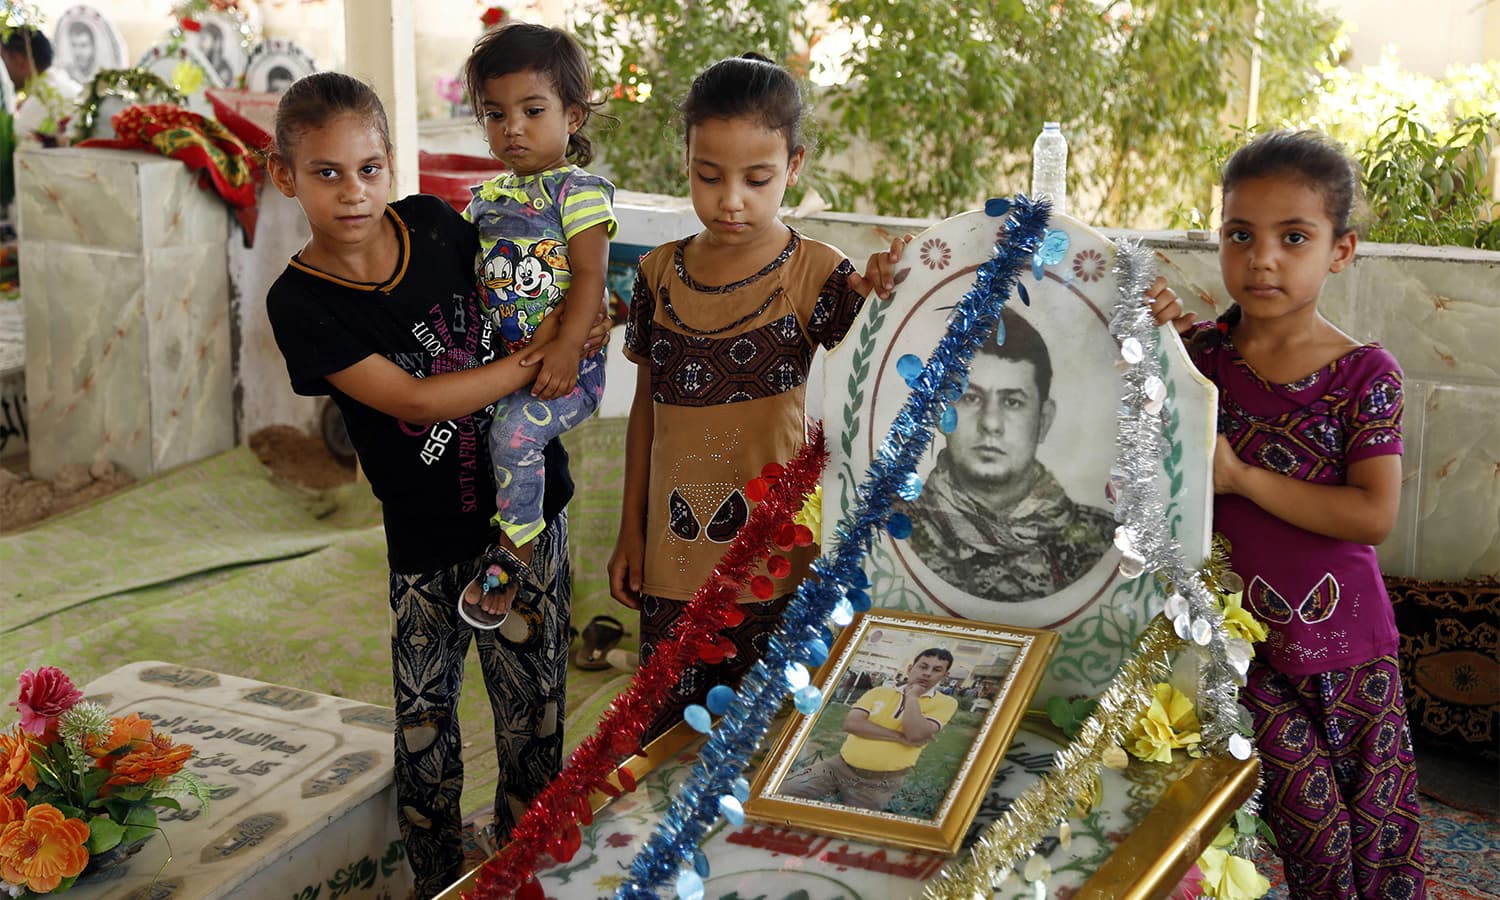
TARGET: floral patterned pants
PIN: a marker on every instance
(524, 664)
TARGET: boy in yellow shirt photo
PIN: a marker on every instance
(888, 727)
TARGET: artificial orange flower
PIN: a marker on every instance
(41, 850)
(12, 809)
(157, 759)
(124, 732)
(16, 768)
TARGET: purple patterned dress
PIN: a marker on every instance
(1325, 692)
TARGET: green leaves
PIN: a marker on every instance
(104, 834)
(1069, 715)
(1423, 188)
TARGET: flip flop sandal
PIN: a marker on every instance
(600, 636)
(499, 569)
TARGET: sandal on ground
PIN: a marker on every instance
(600, 636)
(499, 571)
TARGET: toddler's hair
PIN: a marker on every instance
(1309, 157)
(314, 100)
(552, 52)
(749, 85)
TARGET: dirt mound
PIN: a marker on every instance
(299, 457)
(25, 500)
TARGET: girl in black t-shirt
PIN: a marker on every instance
(379, 311)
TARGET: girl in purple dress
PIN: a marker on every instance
(1307, 472)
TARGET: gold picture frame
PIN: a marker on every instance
(812, 778)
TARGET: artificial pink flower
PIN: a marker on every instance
(45, 694)
(1190, 887)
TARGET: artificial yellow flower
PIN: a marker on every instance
(811, 514)
(187, 77)
(1168, 723)
(1229, 877)
(1239, 621)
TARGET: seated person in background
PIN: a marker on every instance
(991, 519)
(51, 95)
(888, 727)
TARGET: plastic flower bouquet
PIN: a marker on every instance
(79, 788)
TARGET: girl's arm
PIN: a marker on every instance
(588, 260)
(1362, 510)
(627, 563)
(381, 384)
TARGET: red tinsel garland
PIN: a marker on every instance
(551, 822)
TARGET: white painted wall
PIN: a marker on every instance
(1430, 37)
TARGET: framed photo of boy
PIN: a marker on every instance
(917, 712)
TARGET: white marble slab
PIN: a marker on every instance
(762, 860)
(126, 291)
(304, 803)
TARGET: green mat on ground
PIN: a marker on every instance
(217, 566)
(222, 511)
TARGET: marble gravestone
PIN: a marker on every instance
(1014, 522)
(303, 802)
(126, 297)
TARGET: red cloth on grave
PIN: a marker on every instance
(223, 163)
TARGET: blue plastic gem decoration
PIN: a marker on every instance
(859, 579)
(842, 613)
(796, 676)
(696, 716)
(948, 421)
(1000, 332)
(955, 392)
(808, 700)
(899, 526)
(909, 366)
(730, 806)
(1054, 247)
(719, 698)
(1038, 268)
(741, 789)
(858, 599)
(700, 862)
(911, 488)
(1021, 292)
(996, 207)
(689, 885)
(817, 651)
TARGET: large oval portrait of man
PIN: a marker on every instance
(1010, 510)
(1013, 506)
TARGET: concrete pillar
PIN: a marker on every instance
(380, 47)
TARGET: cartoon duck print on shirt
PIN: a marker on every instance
(522, 285)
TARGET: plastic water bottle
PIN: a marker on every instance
(1049, 166)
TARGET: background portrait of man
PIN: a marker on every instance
(211, 42)
(992, 520)
(887, 729)
(83, 52)
(279, 78)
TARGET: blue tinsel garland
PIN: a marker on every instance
(840, 571)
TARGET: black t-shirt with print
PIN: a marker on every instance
(433, 481)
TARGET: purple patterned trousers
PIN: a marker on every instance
(1339, 781)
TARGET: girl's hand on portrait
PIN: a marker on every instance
(1166, 306)
(880, 271)
(625, 567)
